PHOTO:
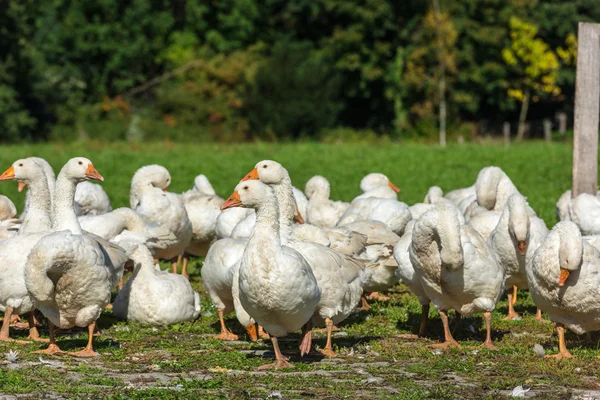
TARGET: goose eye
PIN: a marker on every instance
(80, 163)
(21, 164)
(245, 187)
(265, 166)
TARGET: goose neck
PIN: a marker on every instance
(39, 207)
(64, 217)
(267, 230)
(285, 201)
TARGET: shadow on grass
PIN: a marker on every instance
(468, 328)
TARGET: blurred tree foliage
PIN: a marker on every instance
(243, 69)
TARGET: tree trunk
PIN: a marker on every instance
(442, 67)
(523, 117)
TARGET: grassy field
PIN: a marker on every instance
(184, 361)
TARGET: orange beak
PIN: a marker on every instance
(232, 201)
(8, 175)
(298, 218)
(394, 187)
(251, 329)
(21, 186)
(522, 248)
(92, 173)
(564, 274)
(251, 176)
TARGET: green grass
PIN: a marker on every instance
(184, 361)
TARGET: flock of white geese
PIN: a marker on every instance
(283, 259)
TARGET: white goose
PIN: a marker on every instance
(378, 253)
(393, 213)
(484, 221)
(14, 297)
(7, 208)
(493, 188)
(462, 195)
(379, 186)
(514, 241)
(229, 219)
(279, 304)
(50, 178)
(155, 297)
(584, 211)
(301, 205)
(434, 196)
(91, 199)
(203, 207)
(458, 270)
(150, 199)
(321, 211)
(68, 273)
(339, 277)
(409, 276)
(564, 282)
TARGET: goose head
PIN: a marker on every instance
(518, 222)
(202, 185)
(434, 194)
(375, 180)
(317, 186)
(23, 171)
(154, 175)
(81, 169)
(570, 251)
(268, 171)
(486, 186)
(249, 194)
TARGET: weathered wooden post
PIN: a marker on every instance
(547, 130)
(506, 133)
(587, 110)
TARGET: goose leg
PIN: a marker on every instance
(511, 311)
(33, 331)
(562, 347)
(488, 331)
(514, 299)
(538, 316)
(175, 264)
(364, 305)
(377, 297)
(280, 360)
(89, 349)
(184, 268)
(4, 331)
(15, 322)
(262, 333)
(52, 347)
(225, 334)
(306, 342)
(448, 339)
(328, 350)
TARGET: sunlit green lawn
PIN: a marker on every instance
(183, 361)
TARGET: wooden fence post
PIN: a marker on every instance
(587, 110)
(547, 130)
(506, 133)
